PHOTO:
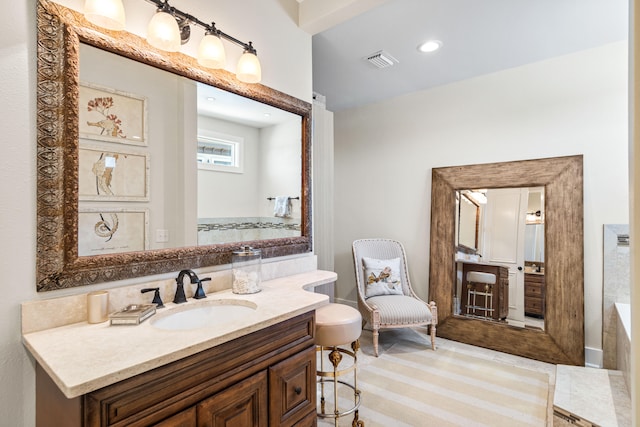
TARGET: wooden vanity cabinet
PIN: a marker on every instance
(534, 295)
(266, 378)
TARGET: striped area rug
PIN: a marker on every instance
(410, 385)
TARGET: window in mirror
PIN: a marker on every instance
(222, 153)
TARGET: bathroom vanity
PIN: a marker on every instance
(255, 371)
(534, 294)
(264, 378)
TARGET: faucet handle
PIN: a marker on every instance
(156, 297)
(199, 291)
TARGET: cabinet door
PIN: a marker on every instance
(292, 389)
(241, 405)
(185, 418)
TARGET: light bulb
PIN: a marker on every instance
(107, 14)
(430, 46)
(211, 52)
(248, 69)
(163, 32)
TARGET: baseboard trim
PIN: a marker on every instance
(593, 357)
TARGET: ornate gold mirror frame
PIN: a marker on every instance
(562, 341)
(60, 31)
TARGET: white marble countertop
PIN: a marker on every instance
(84, 357)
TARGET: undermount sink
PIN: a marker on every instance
(206, 314)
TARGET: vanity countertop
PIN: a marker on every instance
(84, 357)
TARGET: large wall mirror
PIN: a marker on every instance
(559, 183)
(148, 163)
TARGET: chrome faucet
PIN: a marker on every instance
(193, 278)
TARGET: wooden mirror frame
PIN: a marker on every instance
(562, 341)
(60, 31)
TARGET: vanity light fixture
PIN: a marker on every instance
(108, 14)
(211, 51)
(170, 27)
(430, 46)
(163, 31)
(248, 69)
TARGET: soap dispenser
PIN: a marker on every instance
(246, 266)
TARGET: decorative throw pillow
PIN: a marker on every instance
(382, 276)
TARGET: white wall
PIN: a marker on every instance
(284, 50)
(238, 190)
(280, 155)
(384, 153)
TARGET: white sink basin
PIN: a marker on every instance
(202, 315)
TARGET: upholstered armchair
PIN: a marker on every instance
(385, 296)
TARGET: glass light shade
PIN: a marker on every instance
(211, 52)
(163, 32)
(248, 69)
(107, 14)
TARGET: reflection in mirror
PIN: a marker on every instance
(510, 286)
(243, 153)
(467, 222)
(258, 197)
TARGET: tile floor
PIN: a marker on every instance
(591, 396)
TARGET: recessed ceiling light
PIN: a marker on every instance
(430, 46)
(210, 98)
(267, 114)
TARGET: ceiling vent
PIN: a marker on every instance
(381, 59)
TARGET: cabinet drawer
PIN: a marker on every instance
(534, 278)
(533, 305)
(292, 389)
(533, 290)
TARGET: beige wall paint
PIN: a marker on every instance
(284, 50)
(384, 153)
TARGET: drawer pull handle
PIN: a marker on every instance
(298, 390)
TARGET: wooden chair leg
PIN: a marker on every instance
(375, 342)
(433, 336)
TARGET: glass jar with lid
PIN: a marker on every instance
(246, 267)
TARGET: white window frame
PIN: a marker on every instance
(236, 145)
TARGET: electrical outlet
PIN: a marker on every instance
(162, 236)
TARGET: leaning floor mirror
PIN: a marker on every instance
(560, 338)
